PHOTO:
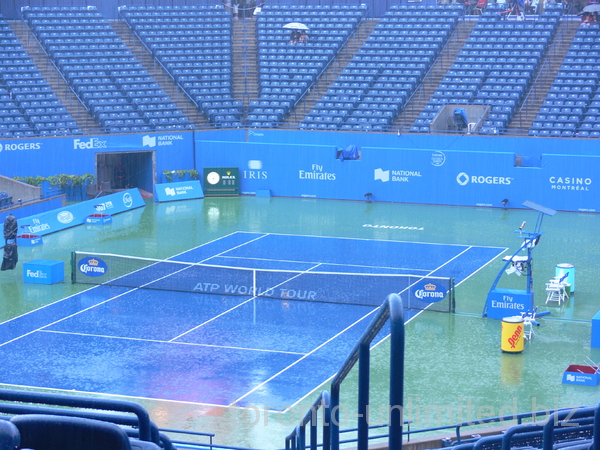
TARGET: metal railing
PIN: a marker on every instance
(392, 310)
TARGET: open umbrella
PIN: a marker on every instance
(11, 256)
(295, 26)
(594, 7)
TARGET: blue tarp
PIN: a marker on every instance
(351, 152)
(460, 118)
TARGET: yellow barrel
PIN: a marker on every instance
(512, 334)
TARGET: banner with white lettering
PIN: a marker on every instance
(73, 215)
(407, 175)
(183, 190)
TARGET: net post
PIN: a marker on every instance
(254, 287)
(452, 297)
(73, 267)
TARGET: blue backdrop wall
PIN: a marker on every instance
(444, 169)
(435, 169)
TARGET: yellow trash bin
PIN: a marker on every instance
(513, 340)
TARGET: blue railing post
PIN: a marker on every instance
(300, 437)
(363, 396)
(396, 372)
(391, 309)
(327, 421)
(335, 417)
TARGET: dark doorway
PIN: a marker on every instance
(118, 171)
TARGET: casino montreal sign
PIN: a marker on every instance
(570, 183)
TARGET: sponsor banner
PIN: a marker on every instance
(92, 267)
(183, 190)
(76, 214)
(570, 182)
(582, 375)
(76, 155)
(502, 303)
(409, 175)
(43, 271)
(407, 169)
(428, 291)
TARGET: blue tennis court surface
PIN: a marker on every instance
(218, 349)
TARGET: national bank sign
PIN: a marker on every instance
(402, 176)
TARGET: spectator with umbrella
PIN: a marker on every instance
(296, 28)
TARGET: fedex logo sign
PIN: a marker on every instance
(79, 144)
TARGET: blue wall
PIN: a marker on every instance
(77, 155)
(434, 169)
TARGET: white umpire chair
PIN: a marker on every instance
(556, 290)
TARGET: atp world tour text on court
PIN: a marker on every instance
(241, 289)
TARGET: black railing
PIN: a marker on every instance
(391, 310)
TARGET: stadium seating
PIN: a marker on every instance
(193, 44)
(20, 84)
(494, 67)
(288, 70)
(101, 70)
(387, 69)
(571, 107)
(10, 439)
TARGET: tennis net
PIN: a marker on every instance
(417, 292)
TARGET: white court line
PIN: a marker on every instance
(98, 286)
(235, 307)
(468, 248)
(241, 245)
(243, 258)
(304, 357)
(160, 341)
(367, 239)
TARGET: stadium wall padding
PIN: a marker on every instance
(457, 170)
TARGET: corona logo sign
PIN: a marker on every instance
(430, 292)
(92, 267)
